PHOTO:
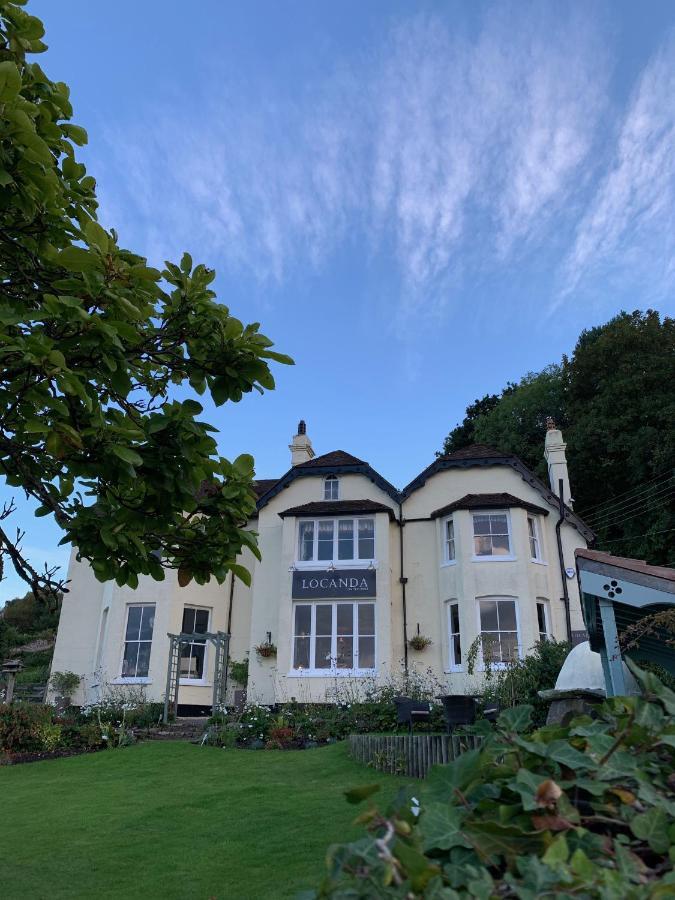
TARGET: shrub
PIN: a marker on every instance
(21, 727)
(239, 671)
(65, 683)
(583, 811)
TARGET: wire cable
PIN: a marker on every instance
(633, 505)
(611, 504)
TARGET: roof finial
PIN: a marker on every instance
(302, 427)
(550, 423)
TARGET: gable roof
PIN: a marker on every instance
(488, 501)
(336, 462)
(483, 455)
(338, 507)
(262, 485)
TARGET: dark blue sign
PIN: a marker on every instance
(343, 584)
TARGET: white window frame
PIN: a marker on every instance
(185, 679)
(493, 558)
(453, 665)
(498, 599)
(333, 671)
(352, 563)
(135, 679)
(331, 487)
(536, 537)
(445, 540)
(542, 602)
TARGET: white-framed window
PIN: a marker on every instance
(331, 488)
(336, 540)
(454, 638)
(138, 640)
(534, 539)
(193, 654)
(333, 637)
(492, 535)
(499, 632)
(543, 621)
(449, 540)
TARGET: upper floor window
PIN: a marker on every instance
(449, 540)
(331, 488)
(491, 535)
(336, 540)
(193, 655)
(533, 535)
(138, 640)
(499, 633)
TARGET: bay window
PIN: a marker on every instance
(449, 540)
(491, 535)
(331, 637)
(138, 640)
(336, 540)
(533, 537)
(500, 639)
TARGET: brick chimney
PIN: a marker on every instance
(301, 448)
(554, 453)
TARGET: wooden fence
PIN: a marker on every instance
(409, 754)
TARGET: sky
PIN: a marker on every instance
(418, 201)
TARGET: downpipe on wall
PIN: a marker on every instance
(561, 560)
(403, 581)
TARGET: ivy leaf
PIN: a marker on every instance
(651, 826)
(440, 827)
(516, 719)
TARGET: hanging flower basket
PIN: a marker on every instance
(266, 650)
(419, 642)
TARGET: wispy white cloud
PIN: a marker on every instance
(630, 223)
(456, 149)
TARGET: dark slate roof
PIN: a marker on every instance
(474, 451)
(334, 458)
(333, 463)
(262, 485)
(488, 501)
(638, 566)
(338, 507)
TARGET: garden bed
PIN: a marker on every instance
(16, 759)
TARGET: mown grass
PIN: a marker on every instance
(174, 820)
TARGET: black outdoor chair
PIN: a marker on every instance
(459, 709)
(409, 711)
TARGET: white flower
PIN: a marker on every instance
(415, 808)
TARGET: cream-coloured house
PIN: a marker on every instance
(352, 568)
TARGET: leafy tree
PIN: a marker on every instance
(614, 399)
(93, 344)
(464, 434)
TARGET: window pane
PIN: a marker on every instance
(490, 647)
(509, 644)
(454, 618)
(198, 653)
(481, 524)
(188, 625)
(345, 618)
(366, 539)
(346, 539)
(301, 653)
(303, 619)
(325, 543)
(322, 652)
(541, 618)
(186, 661)
(147, 623)
(134, 622)
(482, 546)
(450, 530)
(330, 489)
(201, 621)
(500, 545)
(366, 653)
(488, 615)
(324, 619)
(306, 541)
(530, 526)
(457, 650)
(143, 665)
(345, 653)
(507, 615)
(366, 612)
(129, 661)
(498, 524)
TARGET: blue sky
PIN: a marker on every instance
(419, 202)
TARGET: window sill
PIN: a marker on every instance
(492, 559)
(322, 565)
(539, 562)
(448, 562)
(331, 673)
(454, 670)
(193, 682)
(122, 680)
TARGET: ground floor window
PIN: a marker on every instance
(334, 636)
(543, 627)
(454, 638)
(138, 640)
(193, 654)
(499, 630)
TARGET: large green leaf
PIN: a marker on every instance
(652, 826)
(441, 827)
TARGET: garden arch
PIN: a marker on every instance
(221, 643)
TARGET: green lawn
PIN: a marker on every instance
(174, 820)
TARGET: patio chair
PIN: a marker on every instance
(409, 711)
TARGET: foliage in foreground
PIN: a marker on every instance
(94, 343)
(583, 811)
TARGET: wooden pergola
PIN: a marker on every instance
(617, 592)
(221, 642)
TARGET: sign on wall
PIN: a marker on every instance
(341, 584)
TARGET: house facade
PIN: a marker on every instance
(352, 569)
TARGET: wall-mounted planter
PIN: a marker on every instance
(419, 642)
(266, 650)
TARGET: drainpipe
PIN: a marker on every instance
(563, 574)
(403, 581)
